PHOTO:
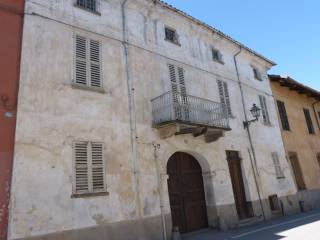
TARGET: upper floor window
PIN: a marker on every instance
(277, 166)
(87, 62)
(171, 35)
(283, 116)
(308, 121)
(89, 168)
(224, 96)
(217, 56)
(91, 5)
(264, 110)
(256, 74)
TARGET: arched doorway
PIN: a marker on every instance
(186, 193)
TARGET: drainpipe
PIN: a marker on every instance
(248, 132)
(132, 112)
(315, 112)
(163, 219)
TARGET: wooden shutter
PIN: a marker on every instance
(95, 61)
(277, 166)
(264, 109)
(89, 168)
(81, 163)
(182, 84)
(88, 62)
(283, 115)
(97, 167)
(227, 98)
(224, 96)
(308, 121)
(80, 60)
(297, 171)
(173, 78)
(221, 92)
(179, 92)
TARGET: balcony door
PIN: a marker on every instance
(179, 93)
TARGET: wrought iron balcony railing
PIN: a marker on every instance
(176, 107)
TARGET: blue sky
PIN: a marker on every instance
(285, 31)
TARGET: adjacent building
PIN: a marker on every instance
(134, 118)
(11, 20)
(299, 116)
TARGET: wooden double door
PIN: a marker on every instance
(186, 193)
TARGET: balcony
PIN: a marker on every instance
(176, 113)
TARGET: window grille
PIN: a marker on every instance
(217, 56)
(91, 5)
(171, 35)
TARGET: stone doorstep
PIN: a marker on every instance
(249, 221)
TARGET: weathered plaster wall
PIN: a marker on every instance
(52, 114)
(298, 139)
(10, 47)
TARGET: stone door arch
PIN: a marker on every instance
(186, 193)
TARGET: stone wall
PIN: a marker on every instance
(52, 114)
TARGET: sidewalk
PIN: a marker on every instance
(305, 226)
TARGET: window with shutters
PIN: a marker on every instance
(171, 35)
(217, 56)
(87, 70)
(283, 116)
(256, 74)
(89, 168)
(308, 121)
(277, 166)
(89, 5)
(264, 110)
(296, 168)
(179, 91)
(224, 96)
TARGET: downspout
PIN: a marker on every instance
(132, 112)
(163, 219)
(248, 132)
(315, 112)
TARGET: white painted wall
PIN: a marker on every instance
(52, 114)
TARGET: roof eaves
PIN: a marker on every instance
(295, 85)
(164, 4)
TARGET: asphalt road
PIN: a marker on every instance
(305, 226)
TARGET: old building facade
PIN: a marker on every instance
(131, 119)
(11, 15)
(299, 116)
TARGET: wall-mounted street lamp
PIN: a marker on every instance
(255, 111)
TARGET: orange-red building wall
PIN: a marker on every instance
(11, 24)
